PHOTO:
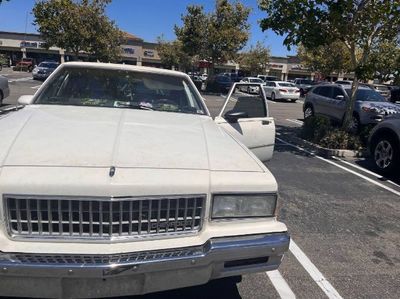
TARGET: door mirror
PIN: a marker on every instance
(25, 100)
(233, 116)
(340, 97)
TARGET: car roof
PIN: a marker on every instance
(282, 82)
(127, 67)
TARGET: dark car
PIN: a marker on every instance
(44, 70)
(220, 83)
(394, 93)
(384, 145)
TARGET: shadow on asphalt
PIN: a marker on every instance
(369, 165)
(221, 288)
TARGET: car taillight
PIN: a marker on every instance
(297, 90)
(283, 90)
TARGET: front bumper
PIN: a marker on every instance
(91, 276)
(288, 96)
(40, 76)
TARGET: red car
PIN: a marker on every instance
(25, 64)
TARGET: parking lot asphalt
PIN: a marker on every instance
(343, 219)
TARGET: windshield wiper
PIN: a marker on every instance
(135, 106)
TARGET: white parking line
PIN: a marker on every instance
(342, 167)
(36, 87)
(365, 170)
(280, 285)
(296, 121)
(315, 274)
(20, 79)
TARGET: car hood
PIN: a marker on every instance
(382, 107)
(71, 136)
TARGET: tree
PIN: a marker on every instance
(173, 55)
(358, 24)
(325, 59)
(384, 62)
(217, 36)
(79, 26)
(255, 60)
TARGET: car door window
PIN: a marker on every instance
(326, 91)
(337, 92)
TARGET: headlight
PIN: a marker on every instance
(244, 205)
(370, 109)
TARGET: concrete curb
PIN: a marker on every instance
(327, 152)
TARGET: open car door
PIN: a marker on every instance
(245, 116)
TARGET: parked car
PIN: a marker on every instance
(330, 100)
(344, 82)
(384, 145)
(394, 94)
(383, 90)
(219, 83)
(266, 78)
(44, 70)
(250, 88)
(281, 90)
(25, 64)
(4, 89)
(115, 180)
(304, 85)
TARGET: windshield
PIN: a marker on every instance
(284, 84)
(120, 89)
(256, 80)
(48, 65)
(367, 95)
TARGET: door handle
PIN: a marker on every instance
(265, 122)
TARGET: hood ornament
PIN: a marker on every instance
(112, 171)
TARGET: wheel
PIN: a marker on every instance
(386, 154)
(293, 100)
(308, 112)
(1, 98)
(273, 96)
(301, 92)
(248, 89)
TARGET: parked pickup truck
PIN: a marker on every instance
(115, 180)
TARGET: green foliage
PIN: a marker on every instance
(318, 129)
(3, 59)
(384, 62)
(359, 24)
(172, 55)
(79, 26)
(255, 60)
(325, 59)
(217, 36)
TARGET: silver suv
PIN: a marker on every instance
(330, 100)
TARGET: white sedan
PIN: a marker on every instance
(115, 179)
(250, 88)
(281, 90)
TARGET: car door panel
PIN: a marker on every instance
(257, 131)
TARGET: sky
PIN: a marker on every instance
(146, 19)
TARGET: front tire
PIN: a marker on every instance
(385, 153)
(273, 98)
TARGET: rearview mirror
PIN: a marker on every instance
(232, 117)
(340, 97)
(25, 100)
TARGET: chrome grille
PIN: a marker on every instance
(102, 218)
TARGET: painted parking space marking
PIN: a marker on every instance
(280, 285)
(365, 170)
(36, 87)
(342, 167)
(313, 271)
(20, 79)
(296, 121)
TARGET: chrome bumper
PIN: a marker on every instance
(91, 276)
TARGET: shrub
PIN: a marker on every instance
(318, 129)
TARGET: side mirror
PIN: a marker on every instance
(232, 117)
(25, 100)
(340, 97)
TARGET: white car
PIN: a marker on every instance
(115, 180)
(281, 90)
(4, 89)
(251, 88)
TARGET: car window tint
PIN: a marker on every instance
(317, 90)
(337, 92)
(325, 91)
